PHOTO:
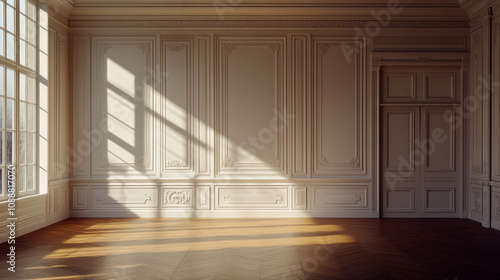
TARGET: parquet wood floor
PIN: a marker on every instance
(309, 248)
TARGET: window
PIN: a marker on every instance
(18, 95)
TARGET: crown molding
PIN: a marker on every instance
(261, 3)
(263, 23)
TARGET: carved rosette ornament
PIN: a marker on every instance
(323, 161)
(178, 197)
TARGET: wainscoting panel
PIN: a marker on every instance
(476, 201)
(250, 103)
(338, 106)
(123, 198)
(495, 207)
(339, 197)
(176, 121)
(250, 197)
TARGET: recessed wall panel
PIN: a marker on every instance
(338, 107)
(122, 135)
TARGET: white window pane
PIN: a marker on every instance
(21, 177)
(31, 177)
(31, 119)
(22, 53)
(30, 90)
(11, 27)
(31, 32)
(31, 10)
(10, 114)
(10, 83)
(31, 57)
(2, 112)
(22, 6)
(30, 149)
(10, 148)
(22, 148)
(22, 87)
(11, 47)
(2, 15)
(22, 27)
(1, 149)
(22, 116)
(2, 183)
(2, 81)
(11, 2)
(2, 43)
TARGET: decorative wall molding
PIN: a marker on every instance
(344, 91)
(237, 154)
(120, 130)
(176, 163)
(123, 198)
(420, 43)
(453, 24)
(496, 203)
(176, 47)
(248, 197)
(477, 197)
(177, 197)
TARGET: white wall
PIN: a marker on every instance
(173, 122)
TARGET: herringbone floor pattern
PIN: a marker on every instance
(197, 248)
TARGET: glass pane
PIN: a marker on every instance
(1, 147)
(11, 2)
(22, 27)
(10, 146)
(10, 114)
(2, 80)
(11, 47)
(22, 53)
(2, 183)
(31, 32)
(21, 177)
(31, 176)
(22, 148)
(10, 83)
(22, 6)
(22, 116)
(31, 57)
(2, 15)
(22, 87)
(2, 43)
(10, 19)
(2, 112)
(31, 90)
(31, 10)
(30, 149)
(31, 119)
